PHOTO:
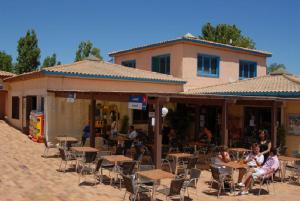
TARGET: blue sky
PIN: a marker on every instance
(117, 24)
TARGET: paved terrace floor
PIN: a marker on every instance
(26, 176)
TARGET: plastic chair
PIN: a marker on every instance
(192, 181)
(220, 179)
(132, 188)
(174, 191)
(89, 159)
(48, 146)
(65, 158)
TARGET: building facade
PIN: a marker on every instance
(201, 63)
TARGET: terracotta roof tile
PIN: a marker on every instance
(101, 69)
(195, 40)
(6, 74)
(269, 85)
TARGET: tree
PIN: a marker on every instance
(5, 62)
(226, 34)
(50, 61)
(275, 66)
(28, 53)
(86, 48)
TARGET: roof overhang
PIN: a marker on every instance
(110, 77)
(196, 41)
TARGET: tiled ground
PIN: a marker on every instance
(26, 176)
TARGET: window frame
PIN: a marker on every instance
(129, 61)
(159, 67)
(200, 69)
(243, 74)
(15, 109)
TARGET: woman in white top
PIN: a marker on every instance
(253, 160)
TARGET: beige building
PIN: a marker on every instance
(200, 62)
(3, 75)
(41, 91)
(221, 87)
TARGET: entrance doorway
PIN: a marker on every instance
(29, 104)
(255, 119)
(210, 118)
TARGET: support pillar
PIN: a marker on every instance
(157, 135)
(92, 123)
(224, 129)
(274, 124)
(197, 126)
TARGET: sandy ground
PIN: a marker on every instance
(26, 176)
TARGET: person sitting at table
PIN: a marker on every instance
(253, 160)
(86, 134)
(264, 144)
(132, 134)
(270, 167)
(224, 155)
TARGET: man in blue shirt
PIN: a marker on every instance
(86, 134)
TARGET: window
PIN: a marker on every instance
(161, 64)
(247, 69)
(42, 104)
(140, 116)
(129, 63)
(208, 65)
(15, 107)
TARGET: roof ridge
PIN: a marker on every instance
(291, 78)
(199, 40)
(64, 65)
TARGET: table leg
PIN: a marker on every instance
(153, 198)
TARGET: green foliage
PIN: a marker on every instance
(50, 61)
(124, 124)
(86, 48)
(226, 34)
(28, 53)
(275, 66)
(5, 62)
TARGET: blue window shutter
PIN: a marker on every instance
(155, 64)
(168, 64)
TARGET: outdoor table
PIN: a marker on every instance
(233, 164)
(115, 159)
(66, 141)
(155, 175)
(120, 138)
(239, 151)
(178, 156)
(285, 160)
(197, 144)
(84, 149)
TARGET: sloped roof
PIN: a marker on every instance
(277, 85)
(91, 68)
(6, 74)
(190, 38)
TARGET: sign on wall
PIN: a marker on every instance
(293, 124)
(137, 102)
(71, 97)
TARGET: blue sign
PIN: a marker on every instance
(137, 102)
